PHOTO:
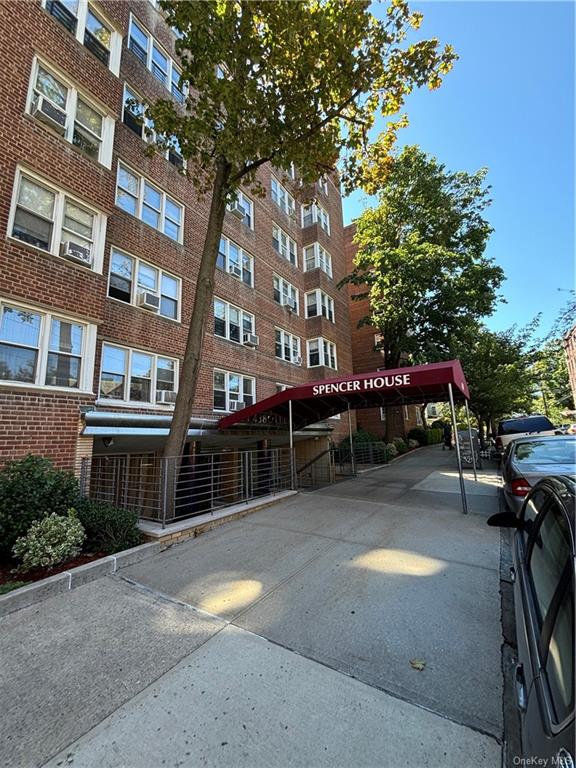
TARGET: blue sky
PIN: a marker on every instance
(508, 104)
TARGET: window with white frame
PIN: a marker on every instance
(284, 245)
(133, 376)
(233, 388)
(155, 58)
(287, 346)
(282, 197)
(47, 218)
(319, 303)
(285, 293)
(136, 195)
(243, 207)
(323, 184)
(316, 257)
(321, 352)
(45, 349)
(231, 322)
(130, 278)
(90, 28)
(314, 213)
(55, 102)
(236, 261)
(133, 116)
(418, 417)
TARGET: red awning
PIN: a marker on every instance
(321, 399)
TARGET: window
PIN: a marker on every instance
(321, 352)
(133, 117)
(154, 58)
(130, 278)
(233, 388)
(51, 220)
(319, 303)
(243, 207)
(284, 245)
(285, 293)
(230, 322)
(55, 102)
(43, 349)
(282, 197)
(236, 261)
(90, 28)
(132, 376)
(287, 347)
(137, 196)
(323, 185)
(314, 213)
(315, 257)
(560, 659)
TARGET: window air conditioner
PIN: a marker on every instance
(251, 340)
(236, 405)
(238, 210)
(291, 303)
(76, 252)
(235, 270)
(297, 360)
(165, 397)
(49, 113)
(148, 301)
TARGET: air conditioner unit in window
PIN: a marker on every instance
(76, 252)
(238, 210)
(235, 270)
(148, 301)
(251, 340)
(165, 397)
(236, 405)
(297, 360)
(49, 113)
(291, 303)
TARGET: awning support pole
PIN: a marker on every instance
(292, 457)
(352, 457)
(455, 432)
(471, 443)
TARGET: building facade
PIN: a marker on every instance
(569, 342)
(101, 244)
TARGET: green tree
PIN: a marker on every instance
(420, 258)
(280, 82)
(551, 373)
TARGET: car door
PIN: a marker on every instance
(548, 606)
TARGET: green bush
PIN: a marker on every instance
(109, 529)
(434, 436)
(400, 444)
(30, 489)
(392, 450)
(50, 541)
(419, 434)
(413, 444)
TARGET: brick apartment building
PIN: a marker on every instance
(569, 343)
(101, 243)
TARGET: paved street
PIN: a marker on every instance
(282, 639)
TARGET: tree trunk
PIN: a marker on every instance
(423, 416)
(201, 311)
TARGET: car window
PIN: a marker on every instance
(558, 450)
(532, 508)
(560, 660)
(529, 424)
(550, 550)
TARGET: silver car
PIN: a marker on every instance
(527, 460)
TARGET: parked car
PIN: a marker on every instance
(571, 429)
(543, 575)
(521, 426)
(527, 460)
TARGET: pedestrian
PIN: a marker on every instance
(447, 432)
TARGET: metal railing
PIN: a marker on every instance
(340, 463)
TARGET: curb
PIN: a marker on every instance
(39, 591)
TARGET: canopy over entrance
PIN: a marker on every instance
(319, 400)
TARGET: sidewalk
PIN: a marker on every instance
(282, 639)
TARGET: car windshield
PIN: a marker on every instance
(557, 451)
(529, 424)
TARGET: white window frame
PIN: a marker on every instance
(282, 198)
(87, 353)
(242, 315)
(291, 341)
(243, 254)
(134, 289)
(286, 245)
(115, 36)
(128, 375)
(323, 185)
(74, 94)
(247, 204)
(322, 259)
(171, 66)
(318, 215)
(286, 291)
(324, 355)
(98, 230)
(142, 180)
(324, 302)
(227, 375)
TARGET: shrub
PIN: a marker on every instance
(434, 436)
(413, 444)
(419, 434)
(392, 450)
(30, 489)
(400, 444)
(109, 529)
(50, 541)
(438, 424)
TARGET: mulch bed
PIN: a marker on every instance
(7, 566)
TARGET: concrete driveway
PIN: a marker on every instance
(282, 639)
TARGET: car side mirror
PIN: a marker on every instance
(505, 520)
